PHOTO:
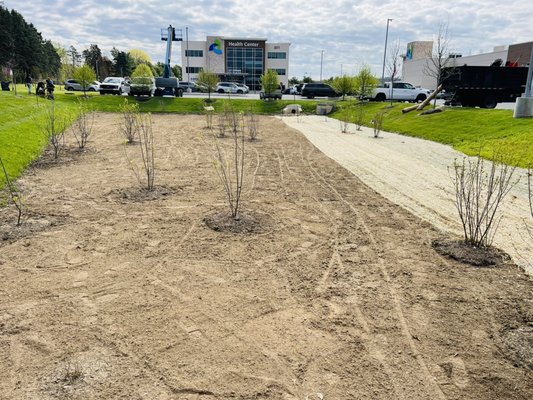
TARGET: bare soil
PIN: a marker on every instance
(329, 290)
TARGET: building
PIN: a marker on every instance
(418, 56)
(235, 59)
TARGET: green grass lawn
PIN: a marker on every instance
(469, 130)
(22, 139)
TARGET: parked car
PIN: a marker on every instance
(311, 90)
(291, 90)
(142, 86)
(72, 84)
(228, 87)
(245, 88)
(190, 87)
(114, 85)
(276, 95)
(401, 91)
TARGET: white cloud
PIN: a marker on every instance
(349, 32)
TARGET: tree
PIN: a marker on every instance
(294, 81)
(437, 58)
(270, 81)
(176, 71)
(140, 57)
(122, 62)
(93, 58)
(50, 64)
(85, 76)
(66, 70)
(23, 49)
(209, 81)
(307, 79)
(393, 65)
(159, 69)
(344, 84)
(365, 82)
(74, 55)
(142, 77)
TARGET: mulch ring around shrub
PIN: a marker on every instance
(464, 252)
(248, 222)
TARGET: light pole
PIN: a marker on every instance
(187, 51)
(385, 52)
(321, 59)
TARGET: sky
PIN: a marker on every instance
(345, 34)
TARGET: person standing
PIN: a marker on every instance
(29, 82)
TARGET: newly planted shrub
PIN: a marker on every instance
(359, 116)
(54, 127)
(128, 126)
(252, 123)
(377, 123)
(479, 194)
(146, 139)
(15, 197)
(83, 125)
(230, 159)
(344, 126)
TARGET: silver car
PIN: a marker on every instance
(72, 84)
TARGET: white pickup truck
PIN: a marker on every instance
(401, 91)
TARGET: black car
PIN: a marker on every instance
(311, 90)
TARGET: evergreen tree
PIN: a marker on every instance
(122, 62)
(93, 58)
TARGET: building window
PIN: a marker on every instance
(193, 70)
(247, 63)
(280, 71)
(277, 55)
(194, 53)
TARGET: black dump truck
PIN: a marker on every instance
(481, 86)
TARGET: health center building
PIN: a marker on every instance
(235, 59)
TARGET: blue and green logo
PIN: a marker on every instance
(216, 46)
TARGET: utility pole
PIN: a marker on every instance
(187, 50)
(321, 59)
(385, 52)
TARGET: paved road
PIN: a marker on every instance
(255, 96)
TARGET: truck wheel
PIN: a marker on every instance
(381, 97)
(420, 98)
(489, 102)
(220, 91)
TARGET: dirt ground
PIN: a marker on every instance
(109, 292)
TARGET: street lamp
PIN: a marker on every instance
(321, 59)
(385, 52)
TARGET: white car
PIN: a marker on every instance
(401, 91)
(242, 86)
(229, 87)
(114, 85)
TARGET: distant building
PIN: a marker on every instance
(418, 56)
(235, 59)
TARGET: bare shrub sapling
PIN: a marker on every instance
(15, 196)
(479, 195)
(83, 125)
(128, 126)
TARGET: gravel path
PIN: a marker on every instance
(414, 173)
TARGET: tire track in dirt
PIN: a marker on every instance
(426, 374)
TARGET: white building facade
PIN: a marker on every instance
(235, 59)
